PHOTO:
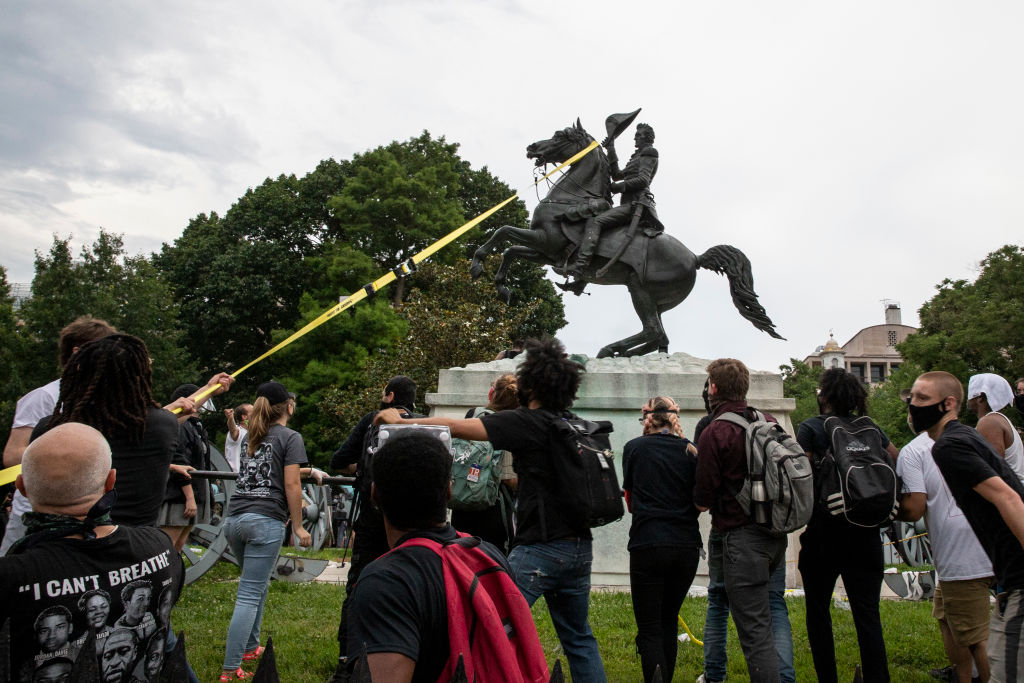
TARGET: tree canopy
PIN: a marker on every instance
(972, 327)
(233, 285)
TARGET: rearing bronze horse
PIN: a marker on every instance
(658, 271)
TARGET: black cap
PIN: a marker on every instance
(274, 392)
(183, 391)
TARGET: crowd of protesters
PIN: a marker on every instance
(105, 467)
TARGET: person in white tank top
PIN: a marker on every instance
(987, 394)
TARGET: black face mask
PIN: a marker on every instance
(704, 395)
(924, 417)
(1018, 403)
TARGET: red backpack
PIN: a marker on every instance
(490, 627)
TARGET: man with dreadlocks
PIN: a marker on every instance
(108, 386)
(38, 404)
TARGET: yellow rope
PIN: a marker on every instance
(908, 538)
(688, 632)
(10, 474)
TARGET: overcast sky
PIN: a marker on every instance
(854, 151)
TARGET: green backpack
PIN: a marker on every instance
(476, 472)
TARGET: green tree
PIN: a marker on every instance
(800, 382)
(972, 327)
(451, 323)
(13, 347)
(104, 282)
(241, 277)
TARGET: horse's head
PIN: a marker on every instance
(562, 145)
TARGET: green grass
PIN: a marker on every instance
(303, 620)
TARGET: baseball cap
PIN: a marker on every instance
(274, 392)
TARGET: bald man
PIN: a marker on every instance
(72, 551)
(992, 499)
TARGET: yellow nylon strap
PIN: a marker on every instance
(10, 474)
(686, 628)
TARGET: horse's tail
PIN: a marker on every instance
(731, 262)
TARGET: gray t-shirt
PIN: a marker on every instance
(260, 487)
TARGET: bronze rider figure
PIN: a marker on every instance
(636, 206)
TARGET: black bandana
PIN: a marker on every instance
(45, 526)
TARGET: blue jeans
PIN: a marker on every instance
(717, 620)
(560, 571)
(255, 541)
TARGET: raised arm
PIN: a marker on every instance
(471, 429)
(229, 413)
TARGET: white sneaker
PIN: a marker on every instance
(703, 679)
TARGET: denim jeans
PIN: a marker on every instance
(255, 541)
(716, 621)
(560, 571)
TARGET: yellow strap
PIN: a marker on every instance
(390, 277)
(688, 632)
(10, 474)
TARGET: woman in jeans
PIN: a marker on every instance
(267, 494)
(658, 471)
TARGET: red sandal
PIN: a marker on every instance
(254, 654)
(237, 674)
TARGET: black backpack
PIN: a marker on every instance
(857, 477)
(584, 465)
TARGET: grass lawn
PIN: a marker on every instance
(303, 620)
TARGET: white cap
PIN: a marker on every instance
(996, 389)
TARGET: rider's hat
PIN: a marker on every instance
(616, 123)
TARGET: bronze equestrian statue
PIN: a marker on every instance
(657, 269)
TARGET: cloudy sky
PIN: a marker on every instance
(856, 152)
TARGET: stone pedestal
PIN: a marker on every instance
(615, 389)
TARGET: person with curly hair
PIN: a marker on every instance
(832, 547)
(658, 471)
(551, 557)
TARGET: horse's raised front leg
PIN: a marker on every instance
(507, 258)
(506, 233)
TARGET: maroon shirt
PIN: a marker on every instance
(722, 467)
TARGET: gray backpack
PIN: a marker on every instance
(778, 491)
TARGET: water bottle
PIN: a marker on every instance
(759, 501)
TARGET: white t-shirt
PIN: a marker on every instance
(957, 553)
(31, 409)
(233, 448)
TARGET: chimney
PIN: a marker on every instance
(892, 315)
